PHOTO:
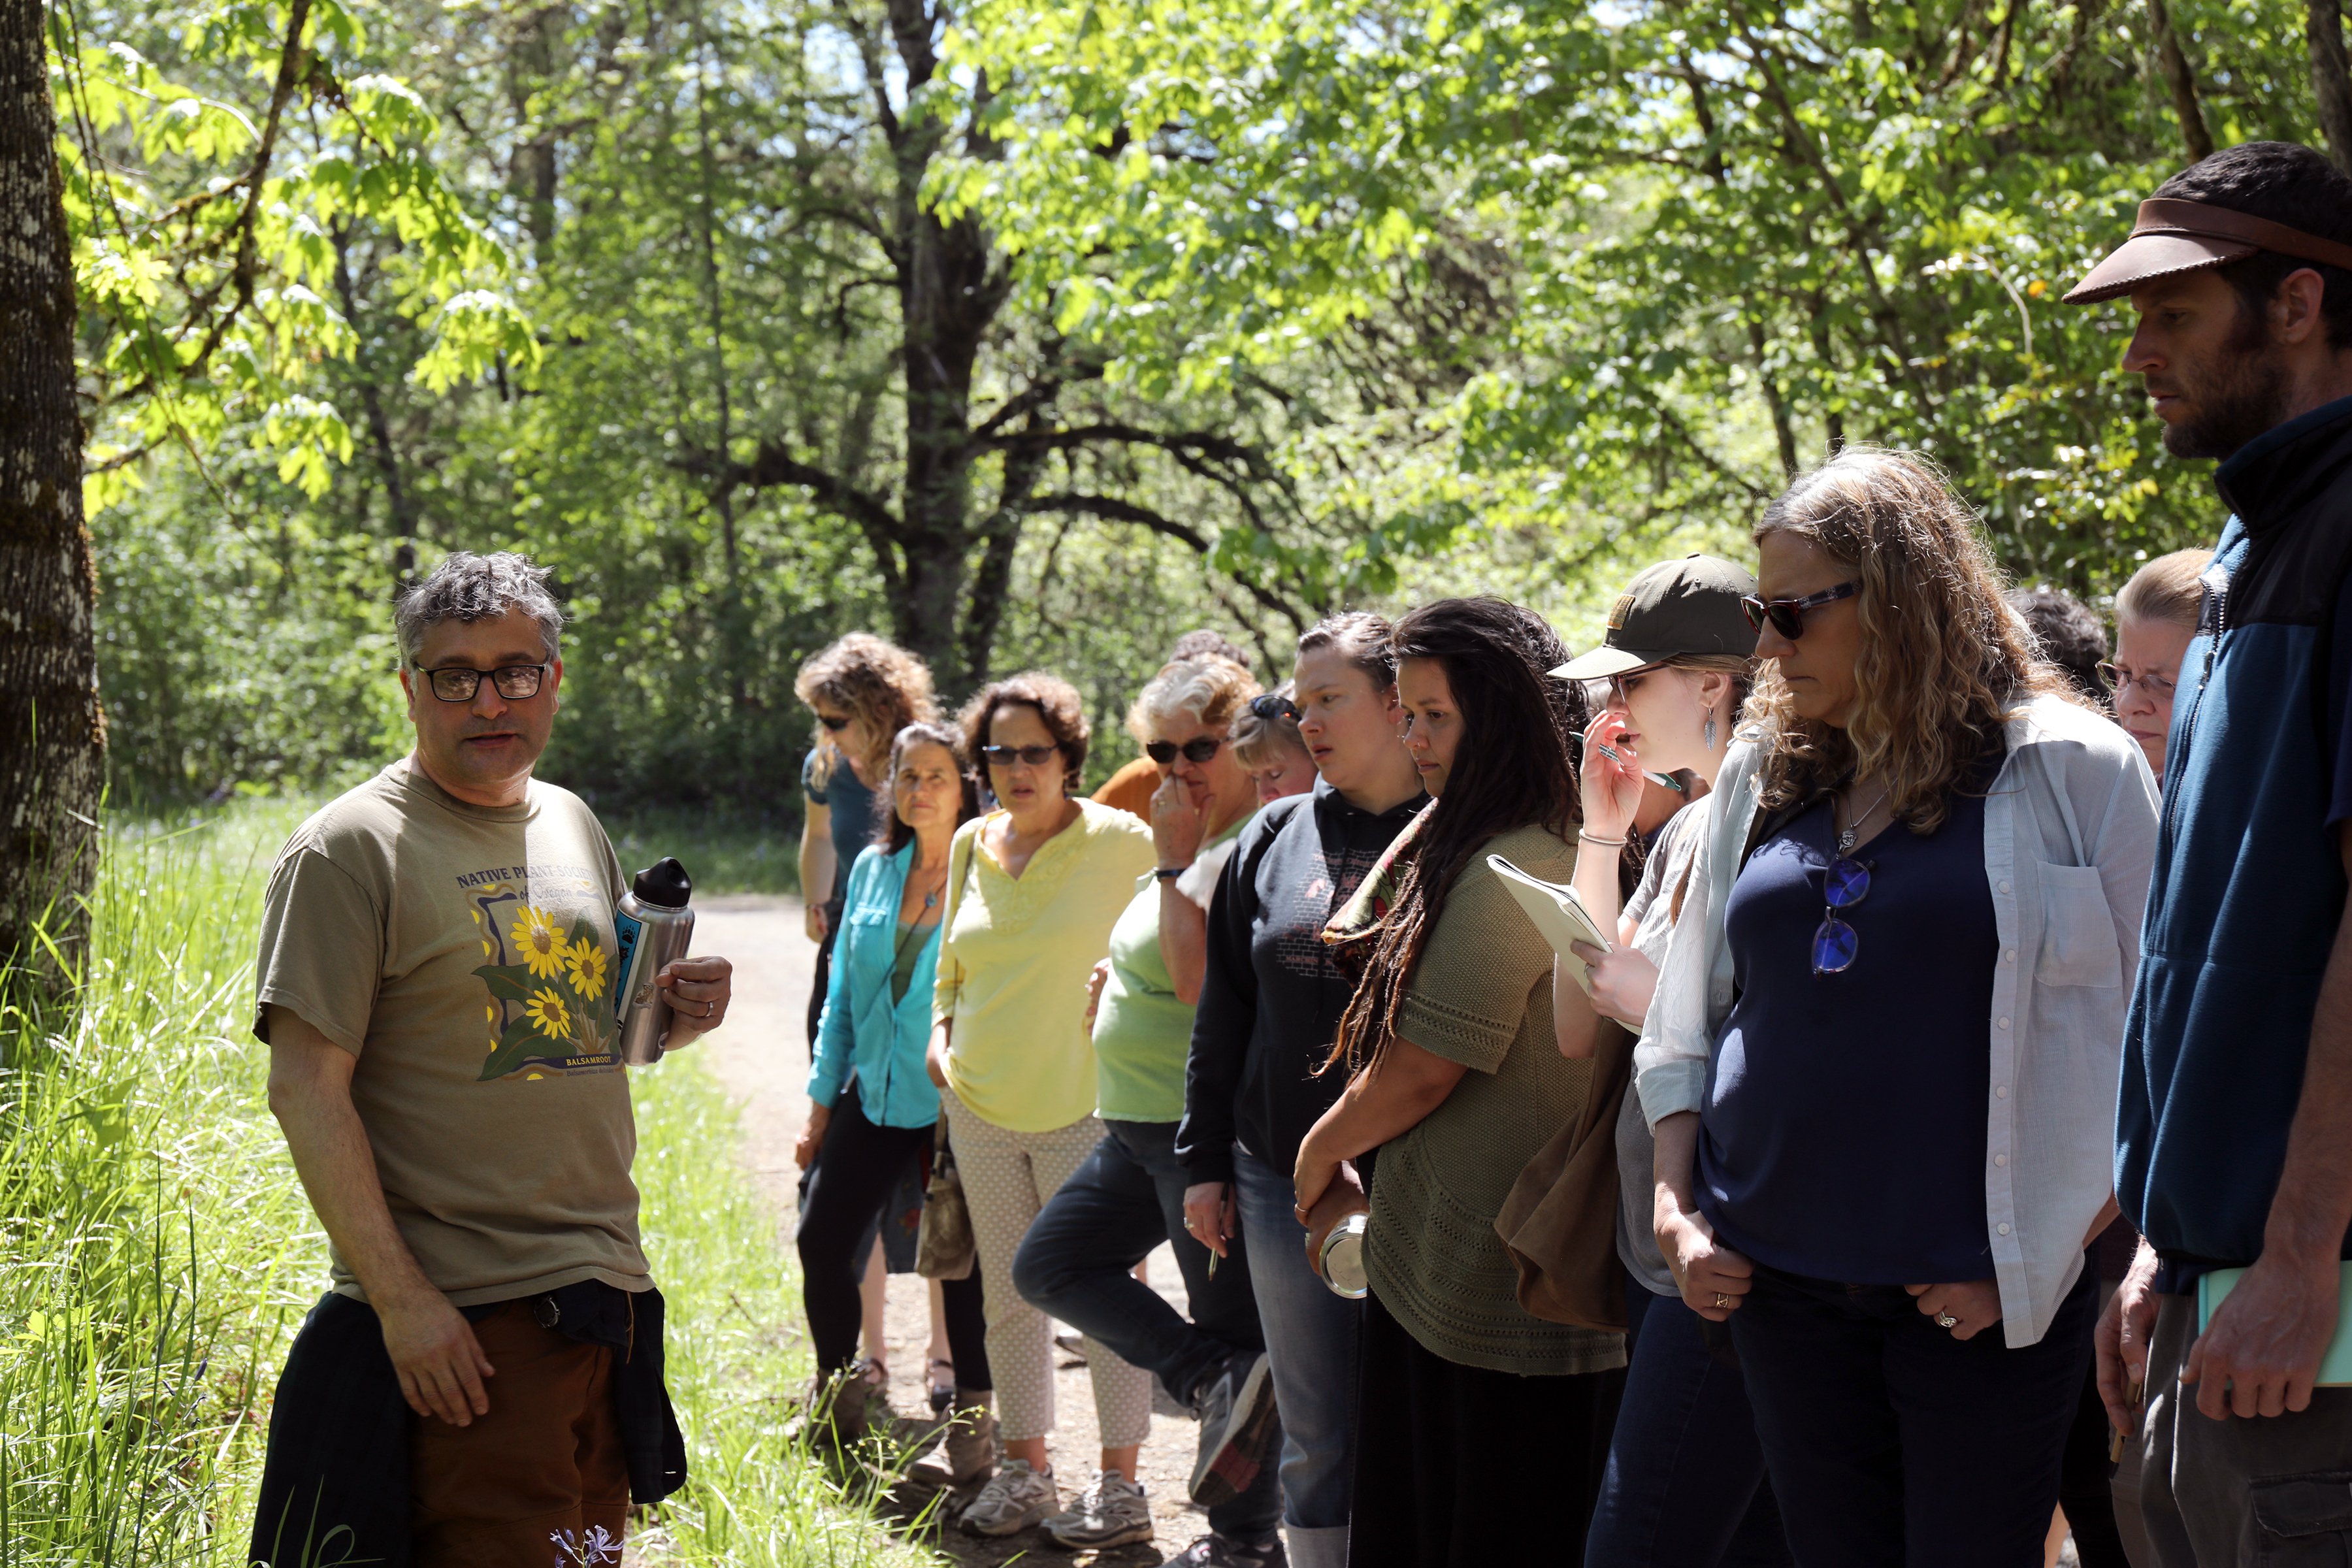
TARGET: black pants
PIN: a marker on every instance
(856, 1169)
(818, 986)
(1463, 1467)
(1891, 1443)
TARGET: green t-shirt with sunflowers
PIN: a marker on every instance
(465, 955)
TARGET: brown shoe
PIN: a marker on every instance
(969, 1454)
(844, 1408)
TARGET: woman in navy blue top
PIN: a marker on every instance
(1894, 1001)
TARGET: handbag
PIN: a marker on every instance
(1560, 1222)
(944, 1249)
(943, 1244)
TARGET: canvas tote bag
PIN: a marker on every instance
(1560, 1223)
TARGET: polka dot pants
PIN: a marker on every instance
(1007, 1177)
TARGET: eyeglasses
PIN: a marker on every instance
(1788, 615)
(1006, 756)
(457, 683)
(2117, 678)
(1834, 941)
(1199, 748)
(1271, 707)
(834, 723)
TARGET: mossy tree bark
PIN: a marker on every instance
(52, 732)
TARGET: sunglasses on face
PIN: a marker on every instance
(833, 722)
(1270, 708)
(1199, 748)
(1788, 615)
(1006, 756)
(515, 682)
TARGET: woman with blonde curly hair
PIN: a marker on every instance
(1880, 1061)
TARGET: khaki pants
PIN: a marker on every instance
(542, 1479)
(2261, 1491)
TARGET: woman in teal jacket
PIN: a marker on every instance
(872, 1107)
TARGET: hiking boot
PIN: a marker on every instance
(841, 1408)
(1112, 1511)
(1237, 1429)
(1214, 1551)
(969, 1454)
(1017, 1498)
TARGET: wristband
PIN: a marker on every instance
(1604, 843)
(1168, 873)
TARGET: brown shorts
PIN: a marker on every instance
(531, 1484)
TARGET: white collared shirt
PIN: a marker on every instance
(2069, 841)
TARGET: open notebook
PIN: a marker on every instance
(1558, 913)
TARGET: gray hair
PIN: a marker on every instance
(469, 588)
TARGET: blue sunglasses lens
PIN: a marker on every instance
(1847, 884)
(1834, 944)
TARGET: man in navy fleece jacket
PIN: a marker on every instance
(2234, 1124)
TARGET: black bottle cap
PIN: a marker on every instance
(665, 882)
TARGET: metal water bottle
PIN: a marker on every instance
(653, 925)
(1343, 1257)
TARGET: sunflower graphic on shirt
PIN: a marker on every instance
(549, 970)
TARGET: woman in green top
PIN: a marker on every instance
(1129, 1196)
(1034, 889)
(1483, 1429)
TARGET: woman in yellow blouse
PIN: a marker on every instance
(1034, 889)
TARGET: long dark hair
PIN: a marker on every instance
(890, 832)
(1515, 766)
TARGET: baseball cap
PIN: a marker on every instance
(1675, 608)
(2173, 236)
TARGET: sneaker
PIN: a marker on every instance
(1237, 1429)
(1113, 1511)
(1214, 1551)
(968, 1454)
(1015, 1499)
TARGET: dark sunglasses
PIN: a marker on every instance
(458, 683)
(832, 723)
(1006, 756)
(1272, 707)
(1834, 941)
(1788, 615)
(1199, 748)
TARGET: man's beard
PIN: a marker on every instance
(2236, 396)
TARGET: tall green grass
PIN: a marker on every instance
(156, 1253)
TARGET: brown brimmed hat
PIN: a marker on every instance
(2174, 236)
(1671, 610)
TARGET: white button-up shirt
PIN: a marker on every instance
(2069, 840)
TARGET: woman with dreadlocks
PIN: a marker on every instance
(1470, 1409)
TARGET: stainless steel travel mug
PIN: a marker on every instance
(1343, 1258)
(653, 924)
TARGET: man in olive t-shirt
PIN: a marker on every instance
(437, 986)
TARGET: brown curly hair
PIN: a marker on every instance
(874, 679)
(1945, 661)
(1058, 707)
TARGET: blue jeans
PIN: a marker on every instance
(1889, 1441)
(1686, 1485)
(1311, 1337)
(1076, 1263)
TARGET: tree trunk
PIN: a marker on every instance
(2173, 66)
(2331, 77)
(52, 733)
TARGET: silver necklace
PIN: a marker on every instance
(1853, 830)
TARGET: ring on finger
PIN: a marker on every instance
(1721, 1299)
(1946, 1321)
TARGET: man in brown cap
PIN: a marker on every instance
(2234, 1121)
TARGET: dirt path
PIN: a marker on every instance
(761, 1055)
